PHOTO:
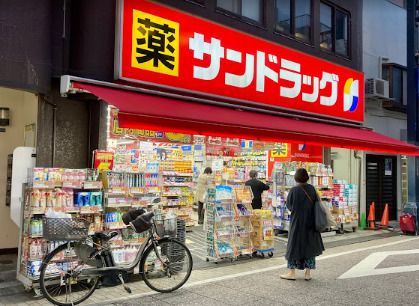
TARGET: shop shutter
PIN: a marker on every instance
(381, 184)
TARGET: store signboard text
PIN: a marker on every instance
(163, 46)
(141, 134)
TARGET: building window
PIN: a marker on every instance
(200, 2)
(293, 17)
(334, 29)
(326, 27)
(396, 75)
(249, 9)
(401, 3)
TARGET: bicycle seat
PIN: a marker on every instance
(104, 236)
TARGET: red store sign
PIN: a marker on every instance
(163, 46)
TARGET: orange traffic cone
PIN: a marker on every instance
(371, 216)
(384, 219)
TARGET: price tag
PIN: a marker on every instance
(90, 209)
(76, 184)
(93, 185)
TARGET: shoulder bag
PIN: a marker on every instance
(320, 215)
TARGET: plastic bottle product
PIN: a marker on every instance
(43, 199)
(32, 250)
(39, 228)
(38, 246)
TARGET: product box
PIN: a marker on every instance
(82, 199)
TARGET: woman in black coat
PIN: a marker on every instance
(304, 242)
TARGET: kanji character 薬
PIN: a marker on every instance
(159, 39)
(292, 74)
(245, 79)
(263, 71)
(333, 79)
(214, 49)
(315, 94)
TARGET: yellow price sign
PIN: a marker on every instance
(281, 150)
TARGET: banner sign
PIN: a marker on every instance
(287, 152)
(169, 48)
(139, 134)
(103, 160)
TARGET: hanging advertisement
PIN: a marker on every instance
(171, 49)
(288, 152)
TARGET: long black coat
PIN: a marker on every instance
(303, 241)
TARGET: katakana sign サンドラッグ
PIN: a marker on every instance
(163, 46)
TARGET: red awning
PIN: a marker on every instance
(138, 110)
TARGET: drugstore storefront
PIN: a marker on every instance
(177, 73)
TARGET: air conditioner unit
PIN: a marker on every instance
(377, 88)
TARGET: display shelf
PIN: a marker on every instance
(168, 173)
(46, 185)
(73, 210)
(118, 205)
(36, 236)
(116, 227)
(175, 205)
(90, 210)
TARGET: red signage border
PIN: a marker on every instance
(169, 48)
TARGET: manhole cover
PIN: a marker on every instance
(6, 262)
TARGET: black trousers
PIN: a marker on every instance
(201, 212)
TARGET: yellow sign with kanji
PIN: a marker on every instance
(155, 43)
(280, 150)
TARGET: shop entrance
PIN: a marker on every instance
(382, 184)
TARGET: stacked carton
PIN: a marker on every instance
(345, 201)
(263, 230)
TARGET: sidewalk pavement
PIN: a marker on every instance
(209, 272)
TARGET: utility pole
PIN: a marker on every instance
(412, 11)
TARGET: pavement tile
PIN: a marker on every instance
(181, 298)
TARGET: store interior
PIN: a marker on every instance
(175, 161)
(159, 171)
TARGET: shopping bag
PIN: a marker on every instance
(320, 217)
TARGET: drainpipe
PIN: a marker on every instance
(359, 158)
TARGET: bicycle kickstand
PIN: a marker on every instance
(127, 289)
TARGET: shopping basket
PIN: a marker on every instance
(65, 229)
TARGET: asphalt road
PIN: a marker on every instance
(372, 273)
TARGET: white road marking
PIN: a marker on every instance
(367, 267)
(268, 269)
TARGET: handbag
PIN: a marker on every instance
(321, 221)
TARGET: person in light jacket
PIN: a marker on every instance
(204, 180)
(304, 242)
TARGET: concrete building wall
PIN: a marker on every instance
(384, 40)
(383, 35)
(23, 111)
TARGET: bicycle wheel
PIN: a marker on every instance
(60, 279)
(166, 267)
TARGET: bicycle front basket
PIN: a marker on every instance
(166, 226)
(65, 229)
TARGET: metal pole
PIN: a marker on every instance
(412, 96)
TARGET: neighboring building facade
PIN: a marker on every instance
(384, 65)
(77, 37)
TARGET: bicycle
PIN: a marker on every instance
(70, 274)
